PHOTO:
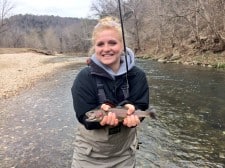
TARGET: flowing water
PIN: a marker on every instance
(190, 130)
(37, 126)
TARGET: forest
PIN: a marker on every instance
(51, 33)
(168, 29)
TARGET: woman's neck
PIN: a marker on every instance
(115, 67)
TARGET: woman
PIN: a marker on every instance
(105, 83)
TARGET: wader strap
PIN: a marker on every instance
(125, 90)
(101, 92)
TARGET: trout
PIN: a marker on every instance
(121, 113)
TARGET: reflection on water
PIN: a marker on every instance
(37, 127)
(191, 106)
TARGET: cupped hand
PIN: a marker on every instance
(131, 121)
(105, 107)
(109, 119)
(130, 108)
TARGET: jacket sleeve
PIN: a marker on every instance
(84, 94)
(139, 90)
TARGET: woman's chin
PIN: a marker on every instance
(107, 61)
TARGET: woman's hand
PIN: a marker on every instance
(110, 119)
(105, 107)
(131, 120)
(130, 108)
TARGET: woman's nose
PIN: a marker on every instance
(106, 47)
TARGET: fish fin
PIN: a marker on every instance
(152, 113)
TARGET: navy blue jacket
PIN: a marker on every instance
(85, 91)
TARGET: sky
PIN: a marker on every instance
(63, 8)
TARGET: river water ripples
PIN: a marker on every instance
(37, 127)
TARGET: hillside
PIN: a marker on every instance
(52, 33)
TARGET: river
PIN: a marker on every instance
(37, 127)
(190, 131)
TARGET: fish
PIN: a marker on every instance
(121, 113)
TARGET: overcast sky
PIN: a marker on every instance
(63, 8)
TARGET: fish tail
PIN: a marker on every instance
(152, 113)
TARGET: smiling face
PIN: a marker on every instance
(108, 48)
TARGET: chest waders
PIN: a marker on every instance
(107, 147)
(102, 99)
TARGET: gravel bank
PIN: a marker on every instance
(21, 70)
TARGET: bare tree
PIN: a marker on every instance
(32, 39)
(103, 8)
(51, 39)
(133, 24)
(5, 8)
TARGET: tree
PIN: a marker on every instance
(5, 8)
(134, 23)
(103, 8)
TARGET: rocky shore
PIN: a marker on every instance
(209, 59)
(22, 69)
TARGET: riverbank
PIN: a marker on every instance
(21, 68)
(189, 57)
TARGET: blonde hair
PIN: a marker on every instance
(106, 23)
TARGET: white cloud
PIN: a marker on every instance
(64, 8)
